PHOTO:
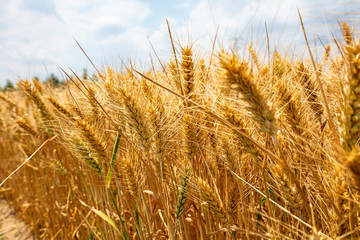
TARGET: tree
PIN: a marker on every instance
(8, 86)
(95, 77)
(85, 74)
(53, 81)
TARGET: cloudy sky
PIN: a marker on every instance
(37, 36)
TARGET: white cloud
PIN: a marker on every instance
(232, 18)
(31, 37)
(38, 32)
(91, 15)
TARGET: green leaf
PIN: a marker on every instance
(106, 218)
(262, 201)
(112, 162)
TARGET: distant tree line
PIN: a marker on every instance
(51, 80)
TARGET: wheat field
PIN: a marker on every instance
(217, 147)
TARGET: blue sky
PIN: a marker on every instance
(36, 36)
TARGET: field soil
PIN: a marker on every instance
(11, 228)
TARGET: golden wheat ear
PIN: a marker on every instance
(211, 199)
(137, 119)
(60, 108)
(188, 72)
(97, 146)
(24, 124)
(310, 88)
(132, 176)
(294, 113)
(350, 105)
(352, 162)
(239, 76)
(46, 116)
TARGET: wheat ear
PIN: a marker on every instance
(35, 97)
(87, 156)
(26, 126)
(97, 146)
(288, 190)
(60, 108)
(182, 196)
(188, 73)
(211, 199)
(137, 119)
(239, 76)
(350, 91)
(60, 168)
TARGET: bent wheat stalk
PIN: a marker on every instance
(28, 159)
